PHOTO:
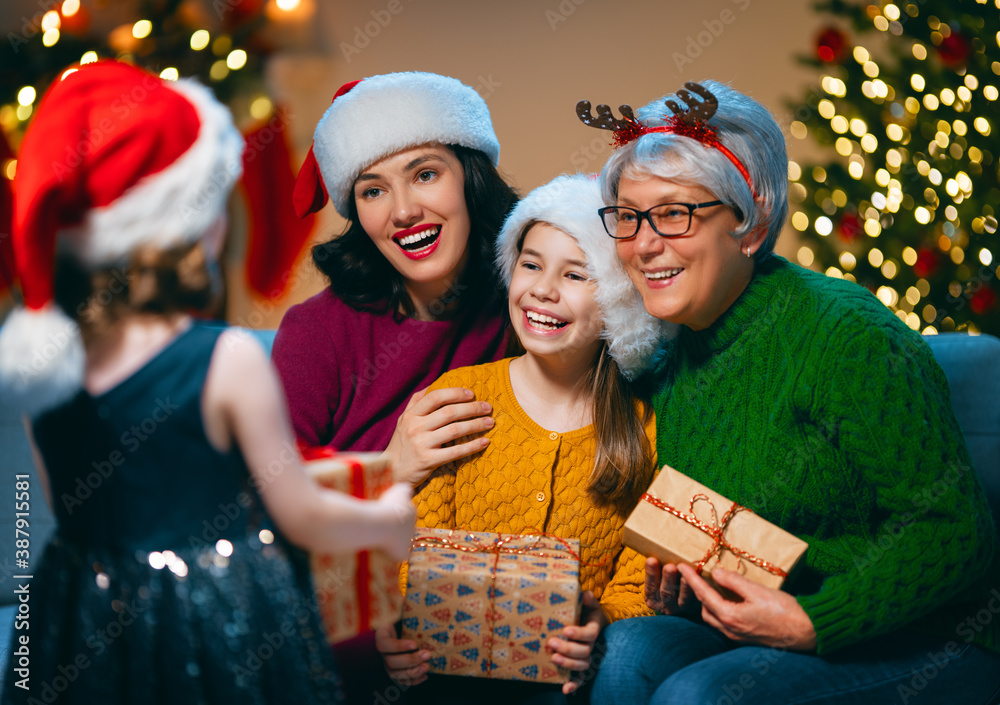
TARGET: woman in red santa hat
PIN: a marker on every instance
(165, 442)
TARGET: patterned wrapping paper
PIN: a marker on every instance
(356, 592)
(711, 531)
(484, 604)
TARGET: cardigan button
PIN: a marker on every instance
(553, 436)
(540, 496)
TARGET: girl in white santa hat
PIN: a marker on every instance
(571, 451)
(165, 442)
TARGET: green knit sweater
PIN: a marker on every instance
(812, 404)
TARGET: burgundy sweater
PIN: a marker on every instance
(349, 374)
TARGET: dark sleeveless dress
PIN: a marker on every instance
(166, 582)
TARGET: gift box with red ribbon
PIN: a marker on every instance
(483, 604)
(355, 592)
(679, 520)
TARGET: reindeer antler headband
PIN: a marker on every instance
(691, 122)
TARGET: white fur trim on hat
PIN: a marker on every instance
(384, 114)
(570, 203)
(41, 359)
(175, 205)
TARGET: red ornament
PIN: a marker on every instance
(76, 24)
(983, 300)
(239, 12)
(850, 228)
(927, 262)
(954, 50)
(831, 45)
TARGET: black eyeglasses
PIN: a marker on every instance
(666, 219)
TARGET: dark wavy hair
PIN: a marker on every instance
(363, 278)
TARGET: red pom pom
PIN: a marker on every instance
(78, 23)
(850, 228)
(954, 50)
(632, 130)
(927, 263)
(698, 130)
(982, 301)
(831, 45)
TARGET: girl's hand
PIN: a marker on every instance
(666, 591)
(573, 652)
(400, 517)
(402, 661)
(765, 616)
(428, 423)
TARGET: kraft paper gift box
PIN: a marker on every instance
(484, 604)
(681, 521)
(355, 592)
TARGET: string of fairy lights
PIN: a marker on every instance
(169, 41)
(913, 196)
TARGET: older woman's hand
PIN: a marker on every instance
(765, 616)
(429, 422)
(666, 591)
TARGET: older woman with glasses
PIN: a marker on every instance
(803, 398)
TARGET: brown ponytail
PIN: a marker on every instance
(623, 463)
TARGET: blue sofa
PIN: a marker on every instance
(971, 363)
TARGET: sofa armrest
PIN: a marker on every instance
(972, 365)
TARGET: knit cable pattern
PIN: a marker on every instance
(812, 404)
(528, 480)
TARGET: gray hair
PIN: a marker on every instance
(743, 126)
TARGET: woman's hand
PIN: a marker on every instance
(428, 423)
(666, 591)
(400, 517)
(765, 616)
(574, 651)
(402, 661)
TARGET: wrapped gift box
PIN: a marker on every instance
(355, 592)
(681, 521)
(484, 604)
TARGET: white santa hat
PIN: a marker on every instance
(570, 203)
(115, 158)
(375, 117)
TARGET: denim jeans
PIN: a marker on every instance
(675, 660)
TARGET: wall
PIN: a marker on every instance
(532, 60)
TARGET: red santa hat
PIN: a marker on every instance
(375, 117)
(115, 158)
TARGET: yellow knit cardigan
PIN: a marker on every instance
(530, 480)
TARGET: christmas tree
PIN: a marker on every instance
(908, 204)
(223, 43)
